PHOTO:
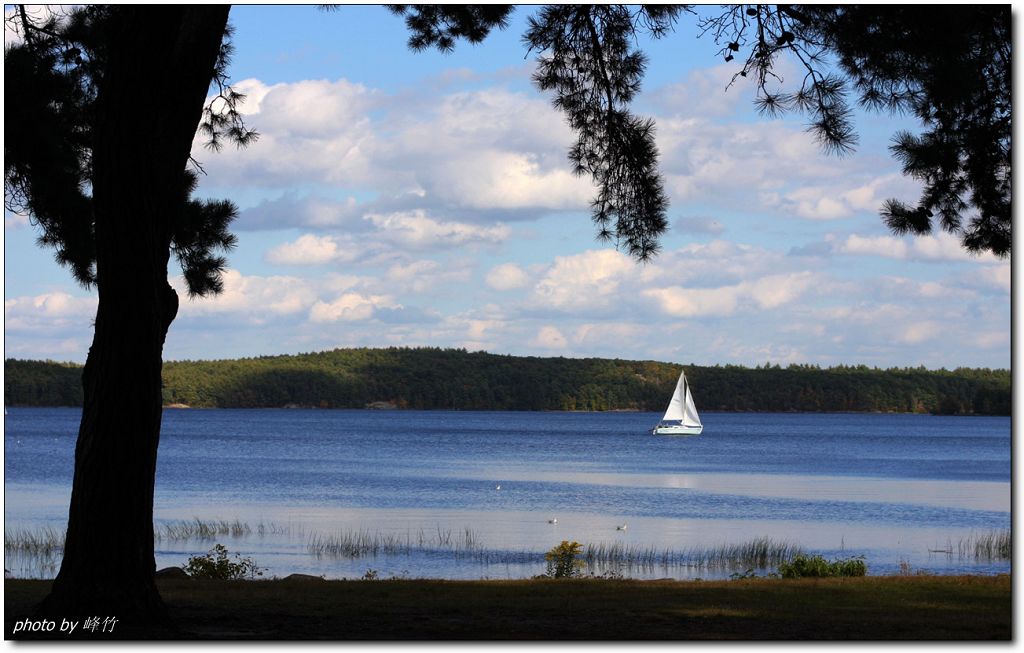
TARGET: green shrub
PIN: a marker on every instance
(217, 566)
(564, 560)
(802, 566)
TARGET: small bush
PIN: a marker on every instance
(802, 566)
(564, 560)
(217, 566)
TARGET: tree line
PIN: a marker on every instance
(456, 379)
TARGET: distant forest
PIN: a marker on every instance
(455, 379)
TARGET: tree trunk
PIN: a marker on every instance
(149, 103)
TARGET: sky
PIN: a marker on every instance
(397, 198)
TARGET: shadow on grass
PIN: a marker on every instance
(872, 608)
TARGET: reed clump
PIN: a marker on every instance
(357, 544)
(992, 545)
(45, 541)
(762, 552)
(461, 545)
(466, 545)
(49, 540)
(198, 529)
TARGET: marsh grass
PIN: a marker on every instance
(48, 541)
(198, 529)
(40, 542)
(761, 552)
(991, 545)
(211, 529)
(467, 545)
(45, 546)
(33, 552)
(464, 545)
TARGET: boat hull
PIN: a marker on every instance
(677, 429)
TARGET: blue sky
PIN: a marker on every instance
(400, 198)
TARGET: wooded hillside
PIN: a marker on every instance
(428, 378)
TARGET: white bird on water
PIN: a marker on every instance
(497, 487)
(552, 521)
(621, 527)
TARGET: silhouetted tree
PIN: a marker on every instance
(102, 106)
(947, 65)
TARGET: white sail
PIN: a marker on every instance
(690, 416)
(676, 406)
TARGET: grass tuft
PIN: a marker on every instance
(42, 542)
(197, 529)
(761, 552)
(993, 545)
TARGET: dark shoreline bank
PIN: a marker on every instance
(879, 608)
(454, 379)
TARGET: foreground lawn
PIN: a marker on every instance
(871, 608)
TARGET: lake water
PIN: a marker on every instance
(424, 487)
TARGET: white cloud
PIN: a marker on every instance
(918, 332)
(53, 325)
(417, 230)
(589, 280)
(703, 93)
(768, 292)
(939, 247)
(477, 151)
(773, 165)
(55, 309)
(427, 276)
(813, 204)
(549, 337)
(507, 276)
(350, 307)
(478, 330)
(290, 210)
(837, 199)
(869, 196)
(737, 165)
(885, 246)
(15, 220)
(695, 302)
(314, 108)
(944, 247)
(991, 339)
(307, 250)
(254, 91)
(901, 289)
(997, 276)
(606, 335)
(699, 225)
(384, 237)
(779, 289)
(252, 295)
(713, 264)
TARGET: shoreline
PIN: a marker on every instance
(177, 406)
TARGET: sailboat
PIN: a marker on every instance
(681, 416)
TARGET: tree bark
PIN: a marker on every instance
(149, 103)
